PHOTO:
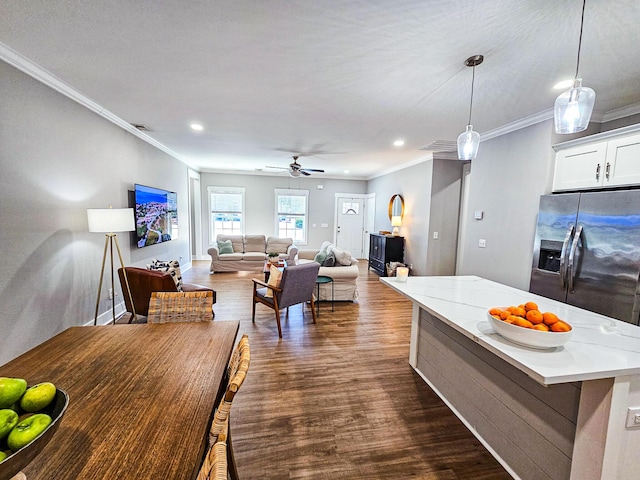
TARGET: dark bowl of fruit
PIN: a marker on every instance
(20, 447)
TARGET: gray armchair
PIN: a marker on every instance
(296, 286)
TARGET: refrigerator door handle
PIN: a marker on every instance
(563, 256)
(571, 274)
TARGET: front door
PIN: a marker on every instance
(350, 225)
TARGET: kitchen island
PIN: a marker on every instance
(556, 413)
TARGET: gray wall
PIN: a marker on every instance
(506, 181)
(431, 192)
(57, 159)
(260, 202)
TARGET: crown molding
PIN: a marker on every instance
(13, 58)
(517, 125)
(621, 112)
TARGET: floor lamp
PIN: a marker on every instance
(108, 221)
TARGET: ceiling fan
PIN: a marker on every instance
(295, 169)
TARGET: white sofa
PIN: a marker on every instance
(250, 252)
(345, 287)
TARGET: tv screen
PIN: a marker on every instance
(156, 215)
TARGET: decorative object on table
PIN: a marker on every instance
(392, 267)
(108, 221)
(396, 222)
(273, 257)
(167, 307)
(20, 459)
(296, 287)
(402, 273)
(469, 141)
(572, 109)
(526, 325)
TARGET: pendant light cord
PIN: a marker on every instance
(584, 3)
(473, 78)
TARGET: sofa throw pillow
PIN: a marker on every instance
(172, 267)
(325, 247)
(330, 261)
(225, 246)
(342, 257)
(275, 275)
(320, 257)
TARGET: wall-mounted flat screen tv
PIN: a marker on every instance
(156, 215)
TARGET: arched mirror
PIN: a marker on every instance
(396, 207)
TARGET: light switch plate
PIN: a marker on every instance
(478, 214)
(633, 417)
(482, 243)
(435, 235)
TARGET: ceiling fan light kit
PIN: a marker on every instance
(295, 169)
(469, 140)
(572, 109)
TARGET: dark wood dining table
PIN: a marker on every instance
(141, 398)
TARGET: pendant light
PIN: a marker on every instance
(468, 141)
(572, 110)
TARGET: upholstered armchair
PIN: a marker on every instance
(296, 286)
(143, 282)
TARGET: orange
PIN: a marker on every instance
(504, 314)
(495, 311)
(541, 326)
(521, 322)
(534, 316)
(512, 319)
(549, 318)
(531, 306)
(512, 309)
(519, 311)
(560, 326)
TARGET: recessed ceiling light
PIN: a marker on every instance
(563, 85)
(197, 127)
(346, 171)
(399, 143)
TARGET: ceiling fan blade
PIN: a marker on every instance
(313, 170)
(304, 172)
(279, 168)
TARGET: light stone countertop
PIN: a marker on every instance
(600, 347)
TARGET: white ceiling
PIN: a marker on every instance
(337, 79)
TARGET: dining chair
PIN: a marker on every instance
(220, 426)
(214, 466)
(167, 307)
(296, 286)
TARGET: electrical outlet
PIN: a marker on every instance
(435, 235)
(482, 243)
(633, 417)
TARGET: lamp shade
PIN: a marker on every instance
(396, 221)
(573, 108)
(468, 143)
(109, 220)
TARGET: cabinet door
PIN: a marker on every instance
(623, 162)
(580, 168)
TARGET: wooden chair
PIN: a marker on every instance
(180, 307)
(296, 286)
(220, 430)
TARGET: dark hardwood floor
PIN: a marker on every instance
(338, 400)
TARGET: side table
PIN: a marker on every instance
(319, 281)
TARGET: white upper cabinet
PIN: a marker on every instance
(610, 159)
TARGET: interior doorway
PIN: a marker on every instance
(195, 216)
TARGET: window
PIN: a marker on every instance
(291, 214)
(227, 211)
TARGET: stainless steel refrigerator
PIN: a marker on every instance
(587, 252)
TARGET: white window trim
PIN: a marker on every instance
(216, 189)
(290, 192)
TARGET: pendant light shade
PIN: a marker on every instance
(573, 108)
(469, 141)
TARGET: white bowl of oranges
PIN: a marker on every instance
(527, 325)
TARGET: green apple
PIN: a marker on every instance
(3, 455)
(27, 430)
(11, 389)
(8, 420)
(38, 396)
